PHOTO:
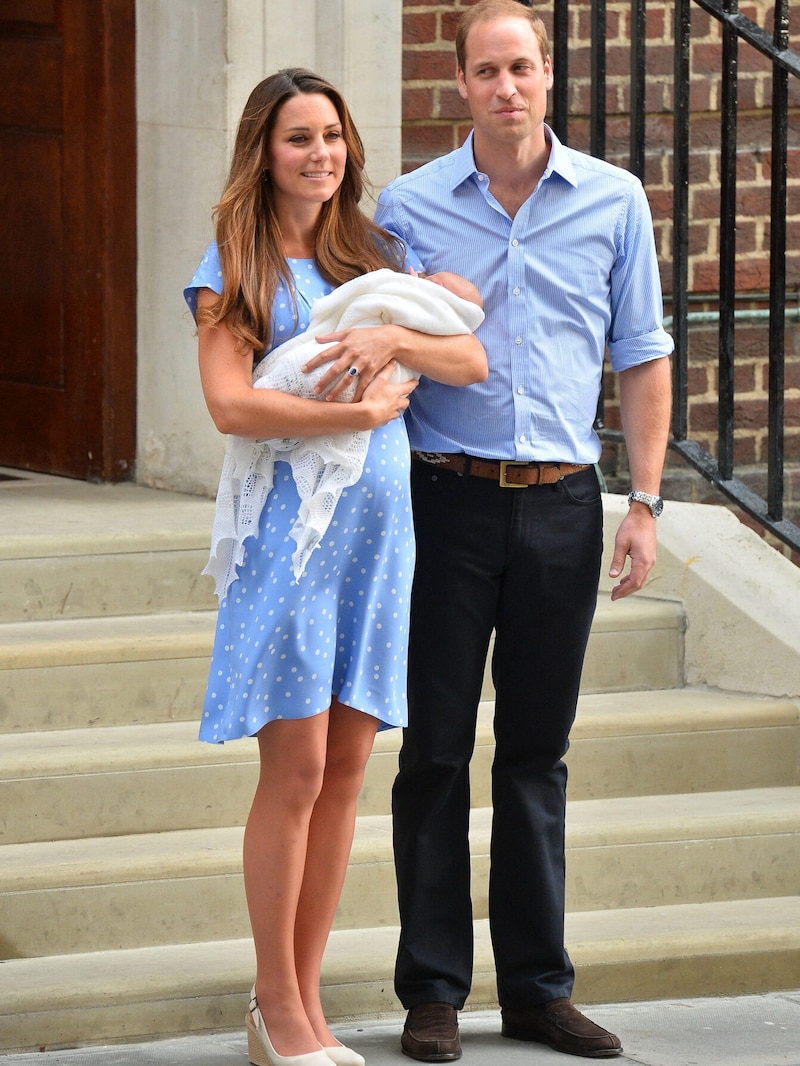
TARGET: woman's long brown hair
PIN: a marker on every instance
(347, 243)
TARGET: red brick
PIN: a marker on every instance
(428, 65)
(744, 377)
(452, 106)
(747, 237)
(704, 203)
(449, 24)
(702, 416)
(704, 133)
(700, 91)
(791, 454)
(700, 168)
(698, 380)
(752, 342)
(426, 141)
(704, 276)
(751, 61)
(419, 27)
(706, 59)
(747, 164)
(417, 104)
(752, 273)
(703, 343)
(702, 25)
(750, 414)
(755, 132)
(698, 239)
(745, 450)
(752, 92)
(584, 26)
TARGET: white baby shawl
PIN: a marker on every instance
(321, 466)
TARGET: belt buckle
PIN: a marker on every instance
(504, 465)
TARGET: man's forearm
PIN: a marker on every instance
(645, 407)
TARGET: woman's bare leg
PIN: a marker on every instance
(293, 755)
(330, 839)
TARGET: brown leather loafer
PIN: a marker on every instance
(431, 1033)
(562, 1027)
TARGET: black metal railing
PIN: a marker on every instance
(785, 62)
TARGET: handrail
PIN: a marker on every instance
(735, 27)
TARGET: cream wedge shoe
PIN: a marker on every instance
(259, 1046)
(344, 1056)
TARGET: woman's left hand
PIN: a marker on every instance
(358, 353)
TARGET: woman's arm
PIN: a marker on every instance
(237, 408)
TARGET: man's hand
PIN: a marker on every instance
(636, 537)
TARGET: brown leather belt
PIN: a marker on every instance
(509, 473)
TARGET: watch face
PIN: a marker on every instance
(655, 503)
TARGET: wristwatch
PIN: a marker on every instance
(655, 503)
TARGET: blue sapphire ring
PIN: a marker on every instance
(353, 372)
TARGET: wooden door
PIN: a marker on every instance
(68, 237)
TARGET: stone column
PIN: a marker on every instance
(196, 63)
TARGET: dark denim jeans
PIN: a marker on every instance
(526, 563)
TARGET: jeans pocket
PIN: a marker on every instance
(582, 488)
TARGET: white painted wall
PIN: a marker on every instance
(197, 61)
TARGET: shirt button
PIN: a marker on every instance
(514, 243)
(522, 438)
(520, 390)
(516, 291)
(518, 340)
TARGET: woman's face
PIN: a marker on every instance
(306, 153)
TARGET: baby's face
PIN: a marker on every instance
(457, 285)
(439, 279)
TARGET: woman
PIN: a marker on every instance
(313, 667)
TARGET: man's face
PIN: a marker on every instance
(506, 79)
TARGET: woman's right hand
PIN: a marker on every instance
(384, 399)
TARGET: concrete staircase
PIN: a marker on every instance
(122, 906)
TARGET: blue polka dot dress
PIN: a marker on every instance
(284, 646)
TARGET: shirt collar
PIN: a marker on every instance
(558, 163)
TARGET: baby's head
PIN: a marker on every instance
(457, 285)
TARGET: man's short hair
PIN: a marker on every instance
(485, 10)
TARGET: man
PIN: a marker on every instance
(561, 246)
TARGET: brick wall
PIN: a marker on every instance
(435, 120)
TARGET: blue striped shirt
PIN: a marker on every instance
(573, 273)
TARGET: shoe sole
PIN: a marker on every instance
(447, 1056)
(433, 1058)
(513, 1033)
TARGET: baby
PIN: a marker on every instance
(368, 300)
(441, 304)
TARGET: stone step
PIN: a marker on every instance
(69, 550)
(104, 894)
(681, 740)
(103, 585)
(88, 672)
(125, 670)
(65, 784)
(728, 948)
